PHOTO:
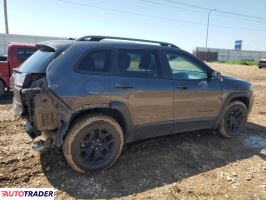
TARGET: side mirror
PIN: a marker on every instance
(216, 75)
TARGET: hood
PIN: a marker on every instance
(235, 83)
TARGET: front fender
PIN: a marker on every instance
(228, 99)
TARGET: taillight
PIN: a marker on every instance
(18, 83)
(19, 79)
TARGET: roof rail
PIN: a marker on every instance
(99, 38)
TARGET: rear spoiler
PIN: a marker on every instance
(58, 46)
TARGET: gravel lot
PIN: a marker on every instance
(194, 165)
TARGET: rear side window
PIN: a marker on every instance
(38, 62)
(97, 61)
(24, 53)
(139, 63)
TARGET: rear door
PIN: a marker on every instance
(90, 83)
(197, 98)
(139, 83)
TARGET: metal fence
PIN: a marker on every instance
(212, 54)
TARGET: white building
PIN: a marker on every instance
(5, 39)
(213, 54)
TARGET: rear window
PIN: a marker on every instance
(3, 58)
(38, 62)
(139, 63)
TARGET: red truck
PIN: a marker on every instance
(17, 54)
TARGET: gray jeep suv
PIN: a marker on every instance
(92, 95)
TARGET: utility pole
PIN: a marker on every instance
(6, 20)
(208, 23)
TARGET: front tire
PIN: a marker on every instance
(234, 120)
(2, 88)
(93, 143)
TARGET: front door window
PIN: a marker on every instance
(184, 69)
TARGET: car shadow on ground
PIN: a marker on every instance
(148, 164)
(6, 98)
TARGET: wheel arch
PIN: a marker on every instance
(243, 99)
(240, 96)
(116, 110)
(2, 90)
(3, 81)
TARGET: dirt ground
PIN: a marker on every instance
(194, 165)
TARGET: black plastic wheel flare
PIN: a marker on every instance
(97, 146)
(234, 120)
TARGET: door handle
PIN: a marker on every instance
(123, 85)
(183, 87)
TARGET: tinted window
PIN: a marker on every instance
(98, 61)
(24, 53)
(3, 58)
(139, 63)
(183, 68)
(38, 62)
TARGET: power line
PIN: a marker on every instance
(241, 28)
(197, 11)
(221, 11)
(150, 16)
(188, 5)
(242, 15)
(172, 6)
(239, 18)
(129, 12)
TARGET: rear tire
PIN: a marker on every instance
(2, 88)
(93, 143)
(234, 120)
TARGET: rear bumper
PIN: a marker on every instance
(22, 107)
(19, 110)
(18, 107)
(39, 108)
(22, 101)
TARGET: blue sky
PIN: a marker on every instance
(163, 20)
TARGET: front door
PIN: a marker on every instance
(197, 98)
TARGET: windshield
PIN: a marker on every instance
(38, 62)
